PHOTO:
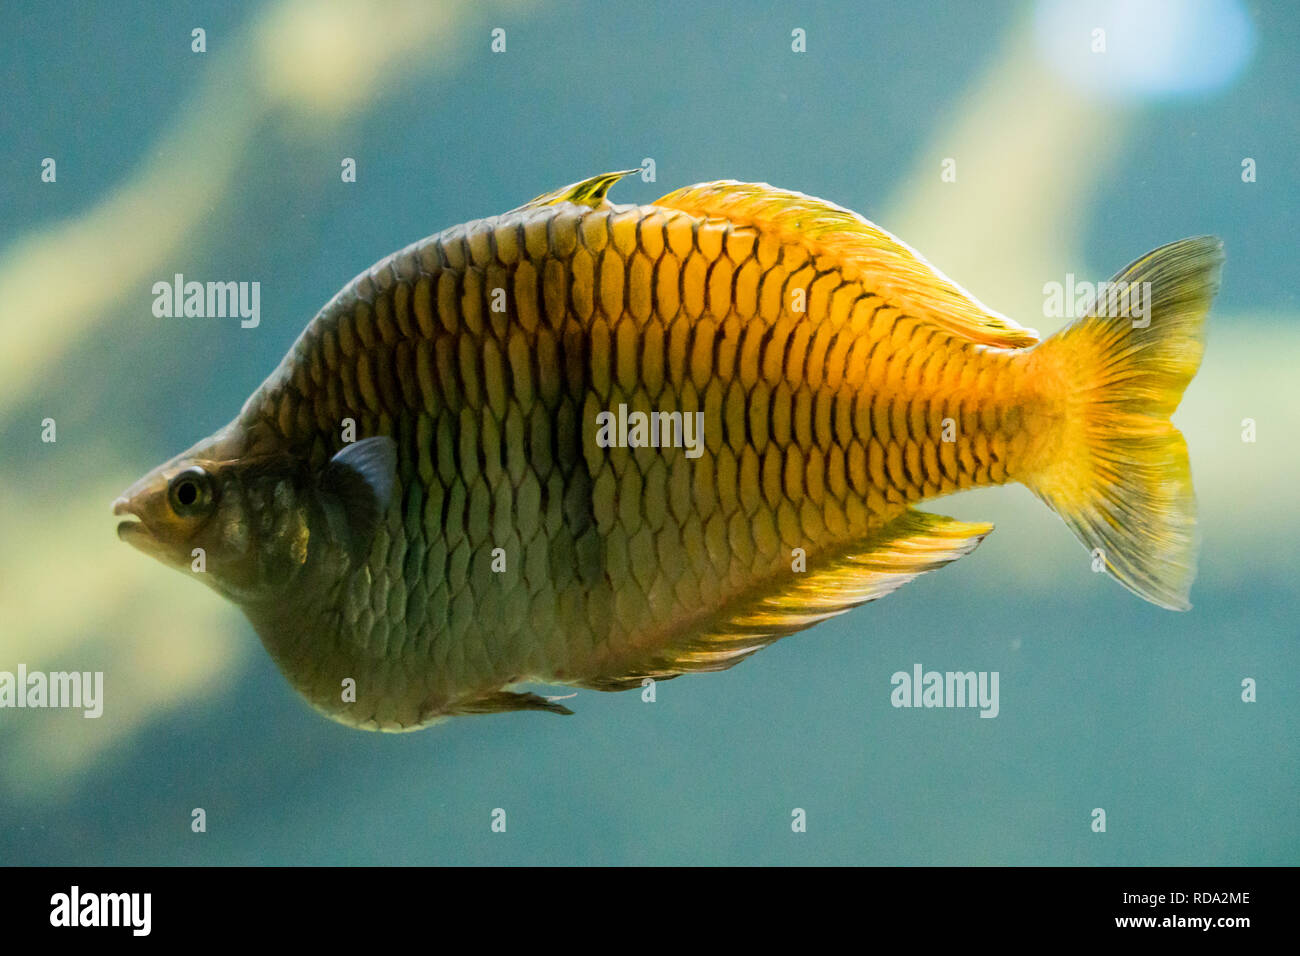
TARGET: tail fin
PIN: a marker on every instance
(1119, 475)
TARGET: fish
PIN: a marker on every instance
(447, 491)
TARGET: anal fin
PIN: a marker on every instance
(905, 548)
(504, 701)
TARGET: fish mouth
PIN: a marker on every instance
(134, 527)
(141, 529)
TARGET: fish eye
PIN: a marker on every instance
(190, 492)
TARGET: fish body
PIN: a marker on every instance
(476, 466)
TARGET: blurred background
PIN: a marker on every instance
(225, 165)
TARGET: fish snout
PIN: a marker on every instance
(141, 504)
(124, 505)
(151, 524)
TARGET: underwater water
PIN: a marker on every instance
(1011, 144)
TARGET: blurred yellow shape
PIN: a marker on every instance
(318, 62)
(71, 603)
(1029, 152)
(74, 598)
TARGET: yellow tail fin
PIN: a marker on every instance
(1118, 472)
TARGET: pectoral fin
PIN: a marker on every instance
(356, 488)
(909, 546)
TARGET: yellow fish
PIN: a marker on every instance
(584, 443)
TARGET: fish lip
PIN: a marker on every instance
(132, 527)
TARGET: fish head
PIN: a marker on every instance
(241, 526)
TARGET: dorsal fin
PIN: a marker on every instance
(910, 545)
(889, 267)
(588, 192)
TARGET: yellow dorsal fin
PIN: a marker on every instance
(588, 192)
(910, 545)
(889, 267)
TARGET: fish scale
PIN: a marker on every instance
(691, 289)
(821, 426)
